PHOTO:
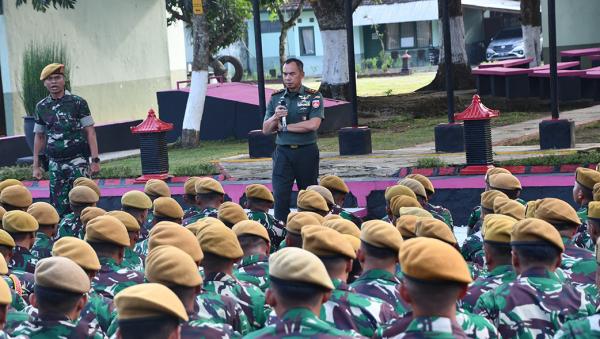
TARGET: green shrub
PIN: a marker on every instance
(430, 162)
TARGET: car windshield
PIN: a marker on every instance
(509, 33)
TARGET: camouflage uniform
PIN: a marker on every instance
(275, 228)
(56, 327)
(22, 260)
(207, 212)
(220, 309)
(472, 249)
(70, 226)
(198, 328)
(112, 278)
(443, 212)
(132, 260)
(588, 327)
(248, 296)
(498, 276)
(578, 264)
(141, 248)
(582, 237)
(254, 269)
(474, 217)
(25, 280)
(300, 323)
(191, 212)
(18, 303)
(62, 121)
(382, 285)
(42, 248)
(14, 319)
(346, 215)
(147, 226)
(535, 304)
(424, 327)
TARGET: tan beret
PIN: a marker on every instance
(148, 301)
(493, 171)
(324, 241)
(220, 241)
(400, 201)
(530, 208)
(6, 239)
(202, 223)
(2, 212)
(556, 211)
(509, 207)
(594, 210)
(433, 260)
(169, 233)
(90, 213)
(230, 212)
(251, 227)
(396, 190)
(434, 228)
(44, 213)
(596, 192)
(427, 184)
(107, 229)
(168, 265)
(19, 222)
(83, 195)
(297, 220)
(189, 187)
(490, 218)
(333, 182)
(127, 219)
(17, 196)
(3, 266)
(167, 207)
(54, 68)
(83, 181)
(77, 250)
(343, 226)
(587, 177)
(136, 199)
(497, 228)
(331, 217)
(311, 201)
(416, 211)
(258, 191)
(61, 273)
(504, 181)
(157, 188)
(532, 230)
(381, 234)
(208, 185)
(299, 265)
(353, 241)
(5, 293)
(9, 182)
(415, 186)
(324, 192)
(488, 197)
(406, 225)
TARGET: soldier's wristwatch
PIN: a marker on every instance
(96, 160)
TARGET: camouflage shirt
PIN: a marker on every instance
(70, 226)
(275, 228)
(207, 212)
(132, 260)
(196, 328)
(535, 305)
(498, 276)
(248, 296)
(422, 327)
(14, 319)
(474, 217)
(42, 248)
(382, 285)
(472, 249)
(190, 212)
(443, 212)
(58, 327)
(221, 309)
(300, 323)
(141, 248)
(578, 264)
(582, 237)
(588, 327)
(16, 290)
(254, 269)
(22, 260)
(111, 279)
(346, 215)
(147, 226)
(26, 281)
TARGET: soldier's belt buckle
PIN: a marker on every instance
(293, 146)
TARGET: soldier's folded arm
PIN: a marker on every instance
(305, 126)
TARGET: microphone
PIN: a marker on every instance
(283, 119)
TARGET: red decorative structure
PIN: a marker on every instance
(153, 148)
(478, 136)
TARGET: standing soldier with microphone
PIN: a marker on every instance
(295, 114)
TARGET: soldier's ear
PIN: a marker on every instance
(558, 262)
(404, 293)
(463, 291)
(348, 266)
(270, 298)
(32, 300)
(326, 296)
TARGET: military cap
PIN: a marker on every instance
(434, 228)
(311, 201)
(533, 230)
(90, 213)
(148, 301)
(136, 199)
(427, 184)
(556, 211)
(77, 250)
(596, 192)
(3, 266)
(343, 226)
(333, 182)
(107, 229)
(498, 228)
(400, 201)
(9, 182)
(251, 227)
(169, 233)
(232, 213)
(6, 239)
(331, 217)
(299, 265)
(530, 208)
(220, 241)
(83, 195)
(17, 196)
(504, 181)
(208, 185)
(127, 219)
(433, 260)
(396, 190)
(353, 241)
(296, 221)
(202, 223)
(5, 293)
(406, 225)
(157, 188)
(2, 212)
(594, 210)
(189, 187)
(167, 207)
(493, 218)
(44, 213)
(587, 177)
(324, 241)
(416, 211)
(168, 265)
(488, 197)
(324, 192)
(381, 234)
(61, 273)
(493, 171)
(19, 222)
(83, 181)
(258, 191)
(415, 186)
(509, 207)
(54, 68)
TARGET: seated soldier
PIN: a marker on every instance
(138, 204)
(295, 222)
(255, 242)
(83, 181)
(153, 189)
(189, 197)
(5, 302)
(311, 201)
(165, 210)
(510, 208)
(22, 285)
(421, 195)
(15, 198)
(392, 192)
(131, 259)
(90, 213)
(22, 228)
(259, 200)
(585, 179)
(209, 196)
(80, 197)
(430, 190)
(339, 190)
(401, 201)
(352, 234)
(231, 213)
(593, 222)
(47, 219)
(475, 215)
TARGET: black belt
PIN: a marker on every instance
(295, 146)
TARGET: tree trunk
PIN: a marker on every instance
(461, 69)
(531, 23)
(282, 44)
(190, 136)
(285, 27)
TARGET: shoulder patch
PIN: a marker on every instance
(311, 91)
(279, 91)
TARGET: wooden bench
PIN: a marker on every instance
(590, 84)
(511, 63)
(569, 84)
(576, 54)
(503, 82)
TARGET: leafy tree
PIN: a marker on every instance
(43, 5)
(286, 21)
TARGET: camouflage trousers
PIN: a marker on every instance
(62, 175)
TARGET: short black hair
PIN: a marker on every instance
(379, 252)
(296, 292)
(20, 236)
(47, 225)
(431, 295)
(298, 63)
(133, 210)
(296, 238)
(210, 196)
(159, 218)
(257, 202)
(334, 263)
(215, 263)
(498, 250)
(9, 207)
(248, 242)
(105, 249)
(78, 207)
(564, 226)
(537, 253)
(55, 301)
(511, 194)
(588, 194)
(148, 328)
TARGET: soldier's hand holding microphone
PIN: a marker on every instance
(281, 113)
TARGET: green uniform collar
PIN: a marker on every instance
(299, 313)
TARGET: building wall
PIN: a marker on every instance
(118, 51)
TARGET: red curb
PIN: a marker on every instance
(516, 169)
(541, 169)
(446, 171)
(568, 168)
(112, 182)
(403, 172)
(179, 179)
(428, 172)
